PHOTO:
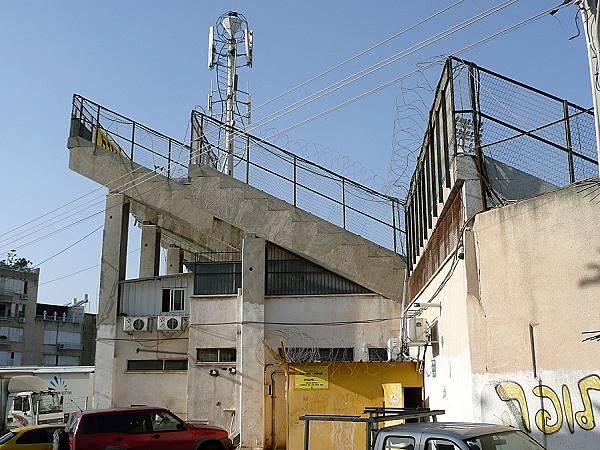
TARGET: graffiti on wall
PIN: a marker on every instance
(546, 420)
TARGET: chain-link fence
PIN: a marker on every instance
(530, 141)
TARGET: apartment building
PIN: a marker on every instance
(39, 334)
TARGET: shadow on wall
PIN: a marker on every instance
(593, 277)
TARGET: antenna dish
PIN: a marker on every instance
(232, 23)
(211, 47)
(248, 42)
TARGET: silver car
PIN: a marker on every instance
(453, 436)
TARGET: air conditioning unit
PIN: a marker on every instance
(169, 323)
(393, 349)
(135, 324)
(417, 331)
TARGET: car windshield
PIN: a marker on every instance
(49, 403)
(509, 440)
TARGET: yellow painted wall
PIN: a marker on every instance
(351, 387)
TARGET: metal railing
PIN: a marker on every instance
(259, 163)
(127, 138)
(502, 120)
(524, 142)
(300, 182)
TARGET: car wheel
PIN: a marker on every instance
(210, 446)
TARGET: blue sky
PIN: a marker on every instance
(147, 60)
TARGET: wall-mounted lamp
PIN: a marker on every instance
(213, 372)
(232, 370)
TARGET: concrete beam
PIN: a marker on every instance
(149, 251)
(112, 271)
(252, 347)
(174, 260)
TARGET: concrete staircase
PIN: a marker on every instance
(209, 193)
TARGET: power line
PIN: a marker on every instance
(364, 94)
(69, 246)
(352, 58)
(384, 63)
(78, 271)
(426, 66)
(361, 53)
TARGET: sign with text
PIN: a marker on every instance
(311, 378)
(104, 141)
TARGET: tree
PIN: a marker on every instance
(15, 262)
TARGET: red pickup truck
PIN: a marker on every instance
(141, 428)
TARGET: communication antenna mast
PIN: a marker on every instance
(229, 39)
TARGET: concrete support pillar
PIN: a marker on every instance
(112, 270)
(174, 260)
(251, 349)
(466, 170)
(149, 251)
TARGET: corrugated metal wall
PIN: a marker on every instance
(144, 297)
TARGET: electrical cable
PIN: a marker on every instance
(361, 53)
(384, 63)
(352, 58)
(371, 91)
(68, 247)
(262, 121)
(406, 75)
(78, 271)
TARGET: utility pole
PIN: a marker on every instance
(224, 38)
(591, 23)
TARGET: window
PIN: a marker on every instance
(176, 364)
(503, 441)
(68, 360)
(378, 354)
(163, 421)
(435, 340)
(49, 360)
(10, 358)
(173, 300)
(69, 337)
(11, 334)
(25, 404)
(398, 443)
(18, 404)
(50, 337)
(309, 354)
(4, 309)
(216, 355)
(440, 444)
(40, 436)
(289, 274)
(116, 423)
(217, 273)
(156, 365)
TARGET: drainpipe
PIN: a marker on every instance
(272, 401)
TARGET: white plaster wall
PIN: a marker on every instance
(538, 265)
(449, 386)
(570, 397)
(214, 399)
(163, 389)
(332, 308)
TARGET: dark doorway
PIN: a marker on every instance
(413, 398)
